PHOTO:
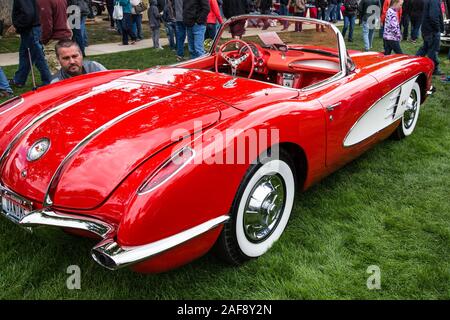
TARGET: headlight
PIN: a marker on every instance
(169, 169)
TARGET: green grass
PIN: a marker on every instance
(389, 208)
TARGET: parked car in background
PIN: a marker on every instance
(97, 7)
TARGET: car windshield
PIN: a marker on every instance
(274, 32)
(283, 47)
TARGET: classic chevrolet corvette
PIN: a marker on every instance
(163, 164)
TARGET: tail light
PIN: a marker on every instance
(169, 169)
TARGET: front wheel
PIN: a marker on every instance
(260, 211)
(411, 114)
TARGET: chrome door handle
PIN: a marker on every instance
(334, 106)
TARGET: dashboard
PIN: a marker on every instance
(285, 65)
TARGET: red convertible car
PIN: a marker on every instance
(164, 164)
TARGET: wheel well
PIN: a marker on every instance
(422, 81)
(299, 158)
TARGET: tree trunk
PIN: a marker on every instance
(5, 11)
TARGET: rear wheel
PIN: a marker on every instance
(411, 114)
(260, 211)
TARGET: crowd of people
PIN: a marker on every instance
(56, 47)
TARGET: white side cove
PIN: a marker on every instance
(383, 113)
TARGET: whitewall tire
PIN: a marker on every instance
(411, 114)
(260, 211)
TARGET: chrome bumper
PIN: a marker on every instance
(108, 253)
(51, 218)
(111, 255)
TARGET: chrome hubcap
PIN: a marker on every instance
(411, 110)
(264, 208)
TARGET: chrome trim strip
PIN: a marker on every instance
(51, 218)
(111, 255)
(90, 137)
(21, 100)
(372, 106)
(66, 104)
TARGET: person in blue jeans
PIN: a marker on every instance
(5, 89)
(127, 27)
(154, 19)
(331, 10)
(338, 11)
(136, 18)
(351, 7)
(196, 37)
(368, 17)
(170, 23)
(321, 6)
(415, 14)
(195, 13)
(79, 32)
(432, 26)
(110, 8)
(180, 29)
(25, 18)
(284, 11)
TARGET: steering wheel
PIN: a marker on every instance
(236, 60)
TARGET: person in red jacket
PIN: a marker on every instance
(213, 19)
(53, 14)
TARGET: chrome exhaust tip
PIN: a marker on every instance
(104, 260)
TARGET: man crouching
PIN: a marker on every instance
(71, 60)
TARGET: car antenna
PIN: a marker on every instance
(32, 71)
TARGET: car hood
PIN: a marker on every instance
(99, 136)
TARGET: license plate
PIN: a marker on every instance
(14, 207)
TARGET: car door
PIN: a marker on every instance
(345, 102)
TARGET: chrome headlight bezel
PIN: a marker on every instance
(38, 149)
